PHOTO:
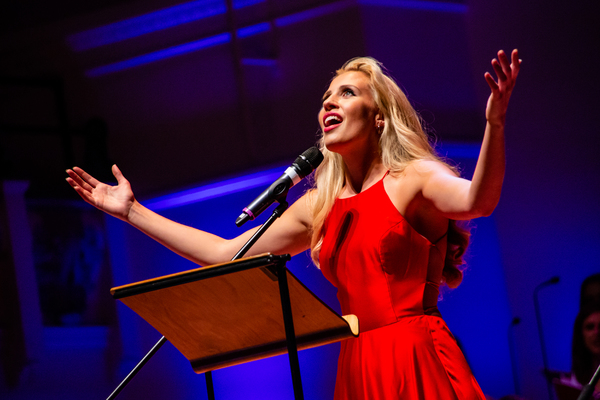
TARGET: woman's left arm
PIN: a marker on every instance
(462, 199)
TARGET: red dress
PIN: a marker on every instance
(388, 275)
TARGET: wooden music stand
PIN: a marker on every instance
(237, 312)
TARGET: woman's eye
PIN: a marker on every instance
(589, 327)
(348, 92)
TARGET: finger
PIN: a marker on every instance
(85, 194)
(71, 182)
(516, 63)
(498, 69)
(93, 182)
(118, 174)
(491, 82)
(78, 180)
(504, 63)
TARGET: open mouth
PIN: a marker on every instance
(331, 121)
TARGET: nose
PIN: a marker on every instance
(330, 104)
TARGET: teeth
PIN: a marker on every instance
(332, 118)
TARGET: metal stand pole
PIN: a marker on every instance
(536, 305)
(513, 356)
(588, 390)
(209, 385)
(290, 334)
(137, 368)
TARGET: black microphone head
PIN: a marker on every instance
(554, 280)
(313, 156)
(308, 161)
(516, 321)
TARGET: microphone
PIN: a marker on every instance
(302, 166)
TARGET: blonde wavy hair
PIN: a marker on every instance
(402, 141)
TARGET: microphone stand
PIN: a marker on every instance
(588, 390)
(283, 205)
(538, 316)
(513, 357)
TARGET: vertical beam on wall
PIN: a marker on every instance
(24, 335)
(63, 121)
(272, 15)
(243, 100)
(120, 266)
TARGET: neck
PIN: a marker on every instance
(362, 170)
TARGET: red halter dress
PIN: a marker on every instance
(388, 275)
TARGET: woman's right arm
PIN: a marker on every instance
(289, 234)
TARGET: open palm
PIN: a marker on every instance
(114, 200)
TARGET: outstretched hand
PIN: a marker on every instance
(114, 200)
(506, 72)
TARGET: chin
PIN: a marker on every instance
(332, 145)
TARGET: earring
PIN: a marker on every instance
(379, 126)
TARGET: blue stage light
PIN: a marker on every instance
(419, 5)
(254, 29)
(213, 190)
(159, 55)
(152, 22)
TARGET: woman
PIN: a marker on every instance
(378, 222)
(585, 355)
(586, 346)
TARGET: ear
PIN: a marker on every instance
(379, 121)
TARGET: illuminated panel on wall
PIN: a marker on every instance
(229, 186)
(159, 55)
(176, 50)
(419, 5)
(265, 178)
(151, 22)
(313, 13)
(253, 30)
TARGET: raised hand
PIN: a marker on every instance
(506, 73)
(114, 200)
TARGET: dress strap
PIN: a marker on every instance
(384, 175)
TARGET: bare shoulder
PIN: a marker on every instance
(406, 190)
(416, 174)
(425, 169)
